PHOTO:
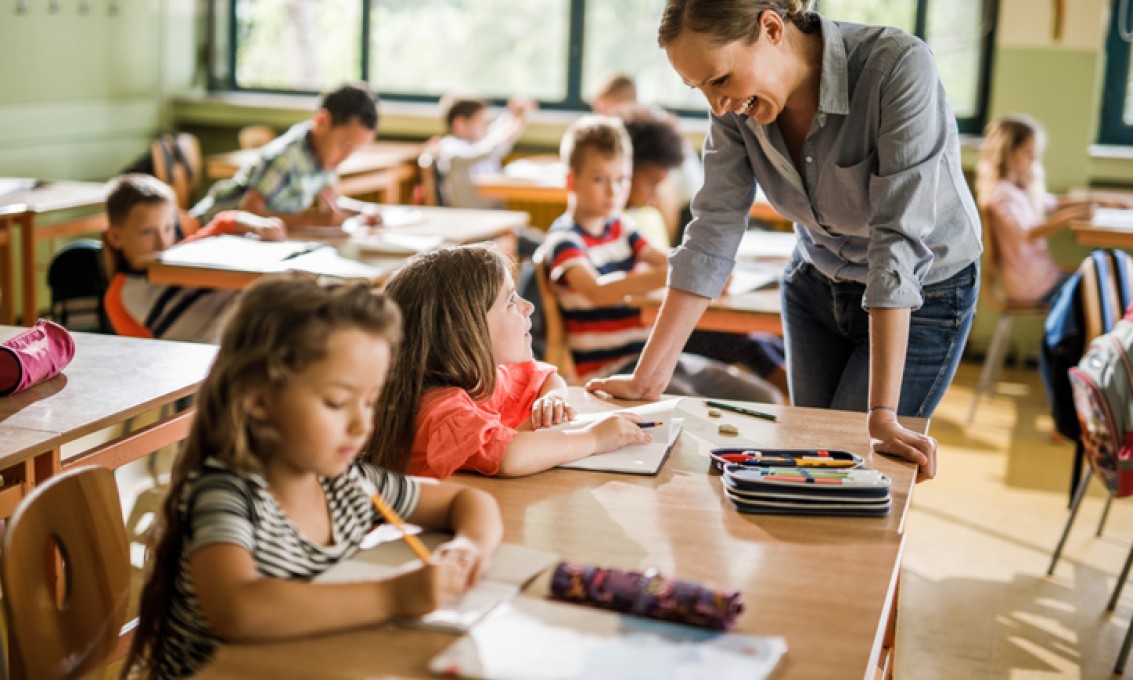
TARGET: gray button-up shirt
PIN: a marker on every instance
(881, 199)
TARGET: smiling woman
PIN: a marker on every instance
(847, 129)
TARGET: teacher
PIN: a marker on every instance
(848, 131)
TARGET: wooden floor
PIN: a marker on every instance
(975, 599)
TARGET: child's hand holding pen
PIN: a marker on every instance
(550, 409)
(466, 553)
(617, 431)
(432, 585)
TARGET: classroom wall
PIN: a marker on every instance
(81, 92)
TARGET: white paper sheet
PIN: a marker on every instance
(637, 459)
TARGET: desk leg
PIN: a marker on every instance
(7, 274)
(889, 645)
(18, 483)
(26, 223)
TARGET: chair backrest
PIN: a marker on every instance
(1107, 290)
(177, 162)
(991, 286)
(65, 570)
(432, 190)
(557, 351)
(77, 278)
(254, 136)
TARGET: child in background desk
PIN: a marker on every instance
(268, 492)
(298, 167)
(142, 211)
(596, 258)
(475, 145)
(465, 392)
(1011, 193)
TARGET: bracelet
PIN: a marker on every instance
(883, 408)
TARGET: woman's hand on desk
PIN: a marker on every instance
(624, 386)
(890, 437)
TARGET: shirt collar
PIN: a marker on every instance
(834, 83)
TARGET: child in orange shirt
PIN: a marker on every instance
(464, 392)
(142, 213)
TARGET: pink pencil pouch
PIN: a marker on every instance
(38, 353)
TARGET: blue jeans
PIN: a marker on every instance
(827, 338)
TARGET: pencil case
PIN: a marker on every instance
(805, 482)
(809, 458)
(646, 594)
(37, 354)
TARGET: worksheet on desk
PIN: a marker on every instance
(635, 459)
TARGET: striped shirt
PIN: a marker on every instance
(219, 506)
(286, 173)
(601, 339)
(140, 309)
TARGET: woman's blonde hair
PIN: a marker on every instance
(279, 327)
(726, 21)
(1001, 138)
(444, 296)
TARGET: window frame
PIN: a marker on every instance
(1112, 129)
(574, 99)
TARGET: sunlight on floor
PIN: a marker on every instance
(975, 598)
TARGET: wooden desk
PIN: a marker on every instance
(110, 380)
(454, 225)
(1110, 228)
(760, 311)
(545, 196)
(19, 213)
(378, 167)
(826, 584)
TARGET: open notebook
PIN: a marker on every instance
(239, 253)
(638, 459)
(534, 639)
(511, 568)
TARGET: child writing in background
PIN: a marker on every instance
(465, 392)
(1011, 192)
(142, 212)
(298, 167)
(268, 492)
(475, 145)
(597, 258)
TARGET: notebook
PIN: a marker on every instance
(535, 639)
(396, 243)
(637, 459)
(511, 568)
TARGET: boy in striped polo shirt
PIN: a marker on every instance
(596, 259)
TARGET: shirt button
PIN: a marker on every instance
(810, 159)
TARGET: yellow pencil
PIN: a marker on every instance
(392, 517)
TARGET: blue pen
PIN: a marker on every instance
(651, 423)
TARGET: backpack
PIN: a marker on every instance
(1102, 387)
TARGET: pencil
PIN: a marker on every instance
(392, 517)
(741, 409)
(651, 423)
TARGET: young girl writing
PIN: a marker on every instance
(465, 392)
(1011, 191)
(267, 492)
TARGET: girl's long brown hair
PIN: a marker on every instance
(1001, 138)
(444, 296)
(279, 327)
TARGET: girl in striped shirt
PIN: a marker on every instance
(268, 493)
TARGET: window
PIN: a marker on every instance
(556, 51)
(960, 34)
(1117, 94)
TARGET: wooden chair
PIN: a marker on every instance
(254, 136)
(557, 352)
(432, 193)
(65, 570)
(177, 162)
(993, 295)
